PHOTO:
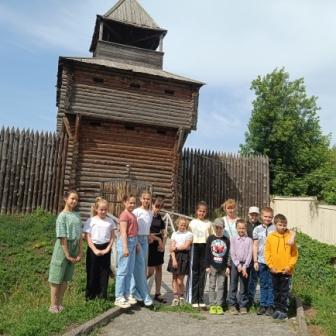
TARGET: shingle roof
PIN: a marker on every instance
(132, 68)
(131, 12)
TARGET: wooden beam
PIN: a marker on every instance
(77, 126)
(67, 127)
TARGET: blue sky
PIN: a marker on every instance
(223, 43)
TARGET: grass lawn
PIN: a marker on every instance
(315, 283)
(25, 251)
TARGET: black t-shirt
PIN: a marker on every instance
(217, 252)
(157, 224)
(250, 228)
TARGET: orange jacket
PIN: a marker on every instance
(279, 255)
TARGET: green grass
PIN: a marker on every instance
(25, 251)
(315, 281)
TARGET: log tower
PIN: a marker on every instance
(121, 109)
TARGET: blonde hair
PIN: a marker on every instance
(267, 209)
(179, 219)
(95, 205)
(229, 202)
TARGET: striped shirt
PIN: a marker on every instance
(241, 250)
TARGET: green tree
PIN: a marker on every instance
(284, 125)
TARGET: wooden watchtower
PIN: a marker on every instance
(121, 109)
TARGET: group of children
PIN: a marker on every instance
(234, 253)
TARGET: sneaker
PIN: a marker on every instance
(148, 303)
(195, 305)
(219, 310)
(261, 310)
(213, 310)
(132, 300)
(122, 303)
(233, 310)
(282, 316)
(269, 311)
(182, 301)
(243, 310)
(276, 314)
(53, 309)
(202, 305)
(175, 302)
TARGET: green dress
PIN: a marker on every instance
(68, 225)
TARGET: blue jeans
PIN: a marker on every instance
(252, 285)
(125, 268)
(139, 286)
(266, 287)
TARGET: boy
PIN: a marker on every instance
(252, 222)
(217, 266)
(241, 256)
(260, 234)
(281, 255)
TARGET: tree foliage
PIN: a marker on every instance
(284, 125)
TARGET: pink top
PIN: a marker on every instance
(132, 223)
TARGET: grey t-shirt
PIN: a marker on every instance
(260, 233)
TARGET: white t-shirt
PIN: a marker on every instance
(230, 229)
(201, 230)
(100, 229)
(144, 218)
(181, 237)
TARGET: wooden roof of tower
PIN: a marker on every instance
(132, 13)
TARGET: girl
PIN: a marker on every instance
(126, 246)
(67, 251)
(230, 219)
(157, 244)
(139, 286)
(99, 231)
(179, 258)
(201, 229)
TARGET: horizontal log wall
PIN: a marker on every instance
(105, 148)
(93, 91)
(31, 170)
(214, 177)
(128, 54)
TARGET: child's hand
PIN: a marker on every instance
(160, 247)
(256, 266)
(273, 270)
(208, 270)
(71, 259)
(78, 259)
(175, 264)
(98, 253)
(286, 271)
(227, 271)
(244, 273)
(291, 240)
(125, 252)
(239, 268)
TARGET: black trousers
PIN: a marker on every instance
(97, 273)
(198, 273)
(236, 277)
(281, 284)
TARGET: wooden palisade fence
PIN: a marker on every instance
(214, 177)
(31, 170)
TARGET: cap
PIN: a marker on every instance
(218, 222)
(254, 209)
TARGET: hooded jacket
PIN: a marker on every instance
(279, 254)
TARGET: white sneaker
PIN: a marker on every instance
(122, 303)
(132, 300)
(175, 302)
(202, 305)
(195, 305)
